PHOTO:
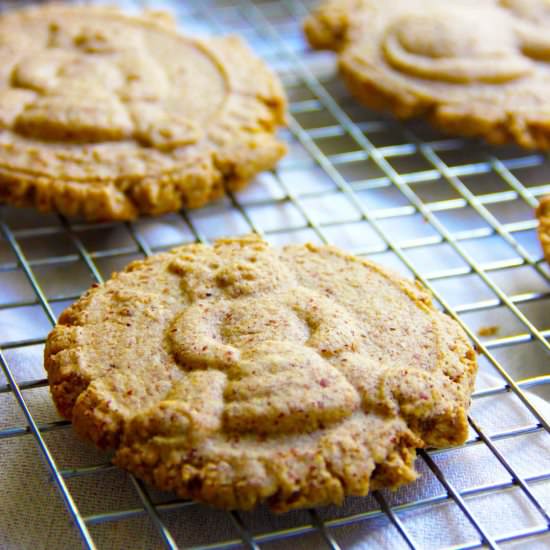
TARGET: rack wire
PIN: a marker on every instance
(455, 214)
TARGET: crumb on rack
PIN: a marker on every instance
(490, 330)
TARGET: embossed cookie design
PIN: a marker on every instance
(240, 373)
(543, 214)
(109, 116)
(472, 67)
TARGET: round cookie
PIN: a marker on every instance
(472, 67)
(543, 214)
(240, 373)
(109, 116)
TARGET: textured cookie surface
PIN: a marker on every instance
(241, 373)
(473, 67)
(109, 116)
(543, 214)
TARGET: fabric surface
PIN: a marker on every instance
(32, 514)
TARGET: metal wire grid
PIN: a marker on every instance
(275, 25)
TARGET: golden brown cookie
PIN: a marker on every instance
(543, 214)
(472, 67)
(110, 116)
(241, 373)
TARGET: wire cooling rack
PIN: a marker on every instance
(453, 213)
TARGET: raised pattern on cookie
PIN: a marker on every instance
(473, 67)
(454, 49)
(151, 120)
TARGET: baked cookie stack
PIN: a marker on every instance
(237, 374)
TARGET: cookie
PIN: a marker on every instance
(109, 116)
(240, 373)
(471, 67)
(543, 214)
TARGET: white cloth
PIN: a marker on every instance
(32, 515)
